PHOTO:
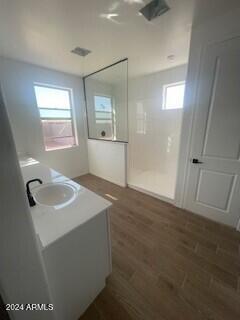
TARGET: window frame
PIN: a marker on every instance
(111, 112)
(71, 110)
(164, 99)
(113, 115)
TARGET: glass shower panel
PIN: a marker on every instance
(107, 103)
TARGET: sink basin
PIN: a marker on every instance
(54, 194)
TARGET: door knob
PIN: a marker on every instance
(196, 161)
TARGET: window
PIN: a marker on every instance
(173, 96)
(103, 109)
(56, 116)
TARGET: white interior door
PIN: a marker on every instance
(213, 187)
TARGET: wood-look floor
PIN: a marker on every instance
(168, 264)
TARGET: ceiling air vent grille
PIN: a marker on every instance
(81, 51)
(154, 9)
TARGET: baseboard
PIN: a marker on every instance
(152, 194)
(109, 180)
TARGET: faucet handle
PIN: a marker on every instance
(31, 200)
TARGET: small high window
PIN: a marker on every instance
(173, 96)
(103, 109)
(55, 108)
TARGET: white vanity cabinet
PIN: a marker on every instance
(77, 266)
(74, 240)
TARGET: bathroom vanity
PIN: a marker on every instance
(72, 227)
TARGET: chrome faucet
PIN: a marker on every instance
(31, 201)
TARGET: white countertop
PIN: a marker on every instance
(51, 223)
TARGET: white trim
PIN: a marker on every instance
(51, 86)
(72, 110)
(189, 109)
(152, 194)
(191, 94)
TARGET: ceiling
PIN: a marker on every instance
(210, 9)
(44, 32)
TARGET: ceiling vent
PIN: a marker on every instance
(81, 51)
(154, 9)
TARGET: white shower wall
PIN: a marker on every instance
(154, 134)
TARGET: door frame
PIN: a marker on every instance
(189, 117)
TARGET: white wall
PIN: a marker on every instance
(120, 94)
(154, 134)
(17, 81)
(22, 275)
(210, 25)
(107, 160)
